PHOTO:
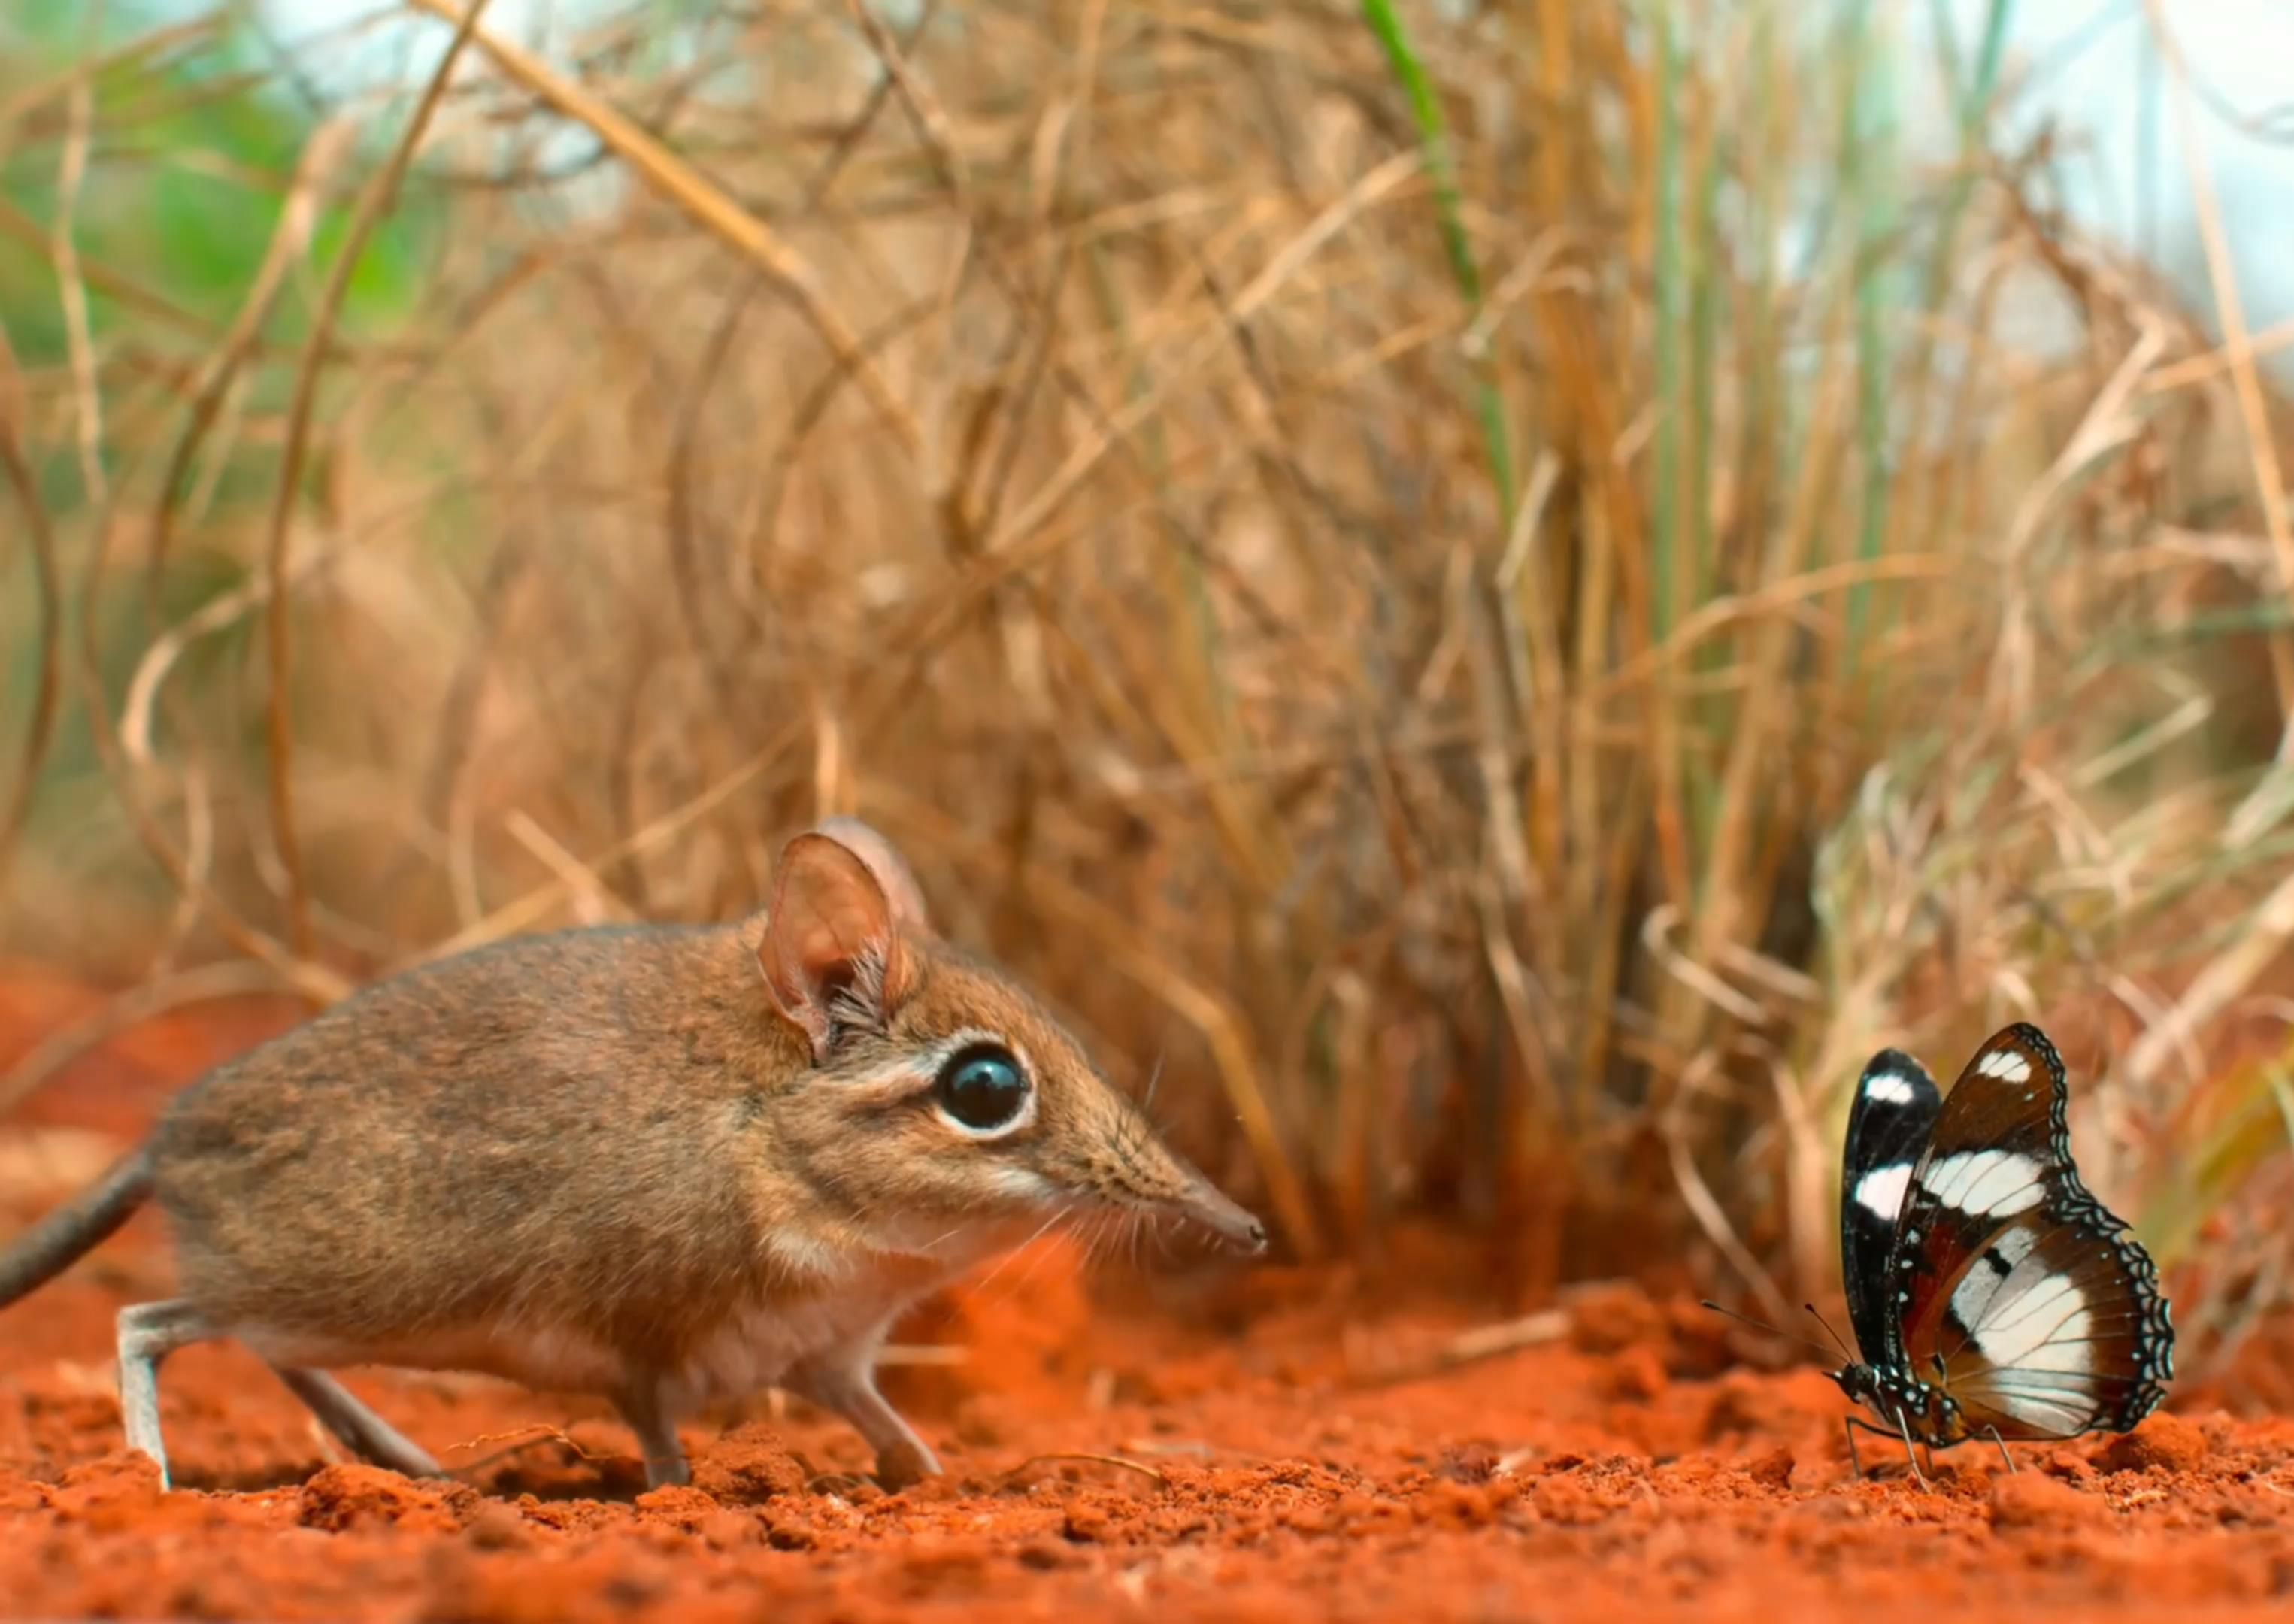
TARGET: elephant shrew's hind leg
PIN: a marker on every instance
(148, 1332)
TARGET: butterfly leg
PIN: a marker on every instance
(2002, 1442)
(1910, 1458)
(1852, 1425)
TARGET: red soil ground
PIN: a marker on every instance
(1257, 1458)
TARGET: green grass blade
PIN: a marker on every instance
(1440, 163)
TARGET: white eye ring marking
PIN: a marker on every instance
(948, 1049)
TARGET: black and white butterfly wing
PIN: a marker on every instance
(1889, 1121)
(2015, 1290)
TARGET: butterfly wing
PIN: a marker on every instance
(1895, 1107)
(2017, 1290)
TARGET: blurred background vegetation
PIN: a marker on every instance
(1502, 593)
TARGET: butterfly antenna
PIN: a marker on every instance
(1762, 1325)
(1846, 1352)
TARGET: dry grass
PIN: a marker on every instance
(1506, 600)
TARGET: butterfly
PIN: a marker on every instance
(1990, 1294)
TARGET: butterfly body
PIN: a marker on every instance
(1990, 1294)
(1905, 1405)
